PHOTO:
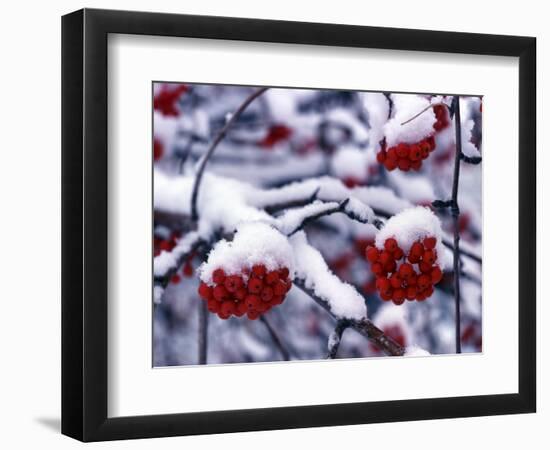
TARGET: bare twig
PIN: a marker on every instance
(455, 211)
(364, 326)
(431, 105)
(203, 333)
(275, 338)
(222, 133)
(335, 338)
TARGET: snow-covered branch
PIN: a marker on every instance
(336, 337)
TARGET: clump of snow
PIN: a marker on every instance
(378, 109)
(405, 107)
(415, 188)
(169, 260)
(349, 161)
(291, 219)
(253, 243)
(414, 350)
(468, 148)
(342, 298)
(412, 225)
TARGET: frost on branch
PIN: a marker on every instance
(343, 300)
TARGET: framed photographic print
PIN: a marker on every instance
(273, 224)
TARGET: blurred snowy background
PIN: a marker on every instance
(290, 135)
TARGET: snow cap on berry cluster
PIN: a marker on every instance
(411, 225)
(406, 106)
(254, 243)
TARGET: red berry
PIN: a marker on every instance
(255, 285)
(416, 165)
(404, 164)
(412, 280)
(220, 293)
(277, 300)
(175, 279)
(267, 294)
(241, 309)
(430, 242)
(398, 254)
(425, 267)
(252, 302)
(417, 249)
(187, 269)
(232, 282)
(395, 281)
(429, 291)
(390, 266)
(381, 156)
(390, 245)
(252, 315)
(372, 254)
(431, 142)
(205, 291)
(403, 151)
(424, 152)
(377, 268)
(429, 256)
(385, 257)
(272, 277)
(284, 273)
(259, 270)
(158, 150)
(392, 155)
(415, 153)
(424, 281)
(213, 306)
(240, 293)
(411, 293)
(218, 276)
(398, 296)
(386, 296)
(390, 164)
(280, 288)
(406, 270)
(227, 308)
(421, 296)
(436, 275)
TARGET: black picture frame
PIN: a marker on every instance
(84, 224)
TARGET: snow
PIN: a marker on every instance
(468, 148)
(350, 161)
(342, 298)
(412, 225)
(414, 350)
(407, 106)
(350, 120)
(253, 243)
(415, 188)
(378, 109)
(169, 260)
(158, 292)
(291, 219)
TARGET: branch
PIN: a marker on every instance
(470, 159)
(455, 211)
(364, 326)
(336, 337)
(273, 209)
(203, 333)
(222, 133)
(275, 338)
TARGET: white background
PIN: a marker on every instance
(30, 177)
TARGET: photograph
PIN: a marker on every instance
(295, 224)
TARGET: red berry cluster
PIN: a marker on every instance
(166, 100)
(275, 134)
(406, 156)
(400, 276)
(441, 117)
(253, 292)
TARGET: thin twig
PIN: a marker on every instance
(336, 337)
(364, 326)
(222, 133)
(455, 212)
(275, 338)
(203, 333)
(431, 105)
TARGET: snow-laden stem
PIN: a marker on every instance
(336, 337)
(275, 338)
(455, 212)
(363, 326)
(203, 333)
(219, 137)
